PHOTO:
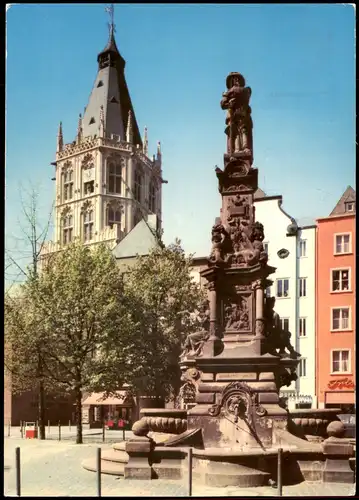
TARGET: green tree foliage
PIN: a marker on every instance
(79, 295)
(163, 299)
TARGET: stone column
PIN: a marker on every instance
(259, 294)
(212, 310)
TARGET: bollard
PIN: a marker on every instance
(103, 432)
(279, 472)
(70, 425)
(8, 429)
(98, 469)
(17, 467)
(21, 429)
(189, 472)
(59, 431)
(48, 426)
(123, 434)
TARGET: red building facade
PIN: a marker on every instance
(335, 306)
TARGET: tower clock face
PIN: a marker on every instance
(89, 174)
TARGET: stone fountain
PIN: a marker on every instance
(234, 367)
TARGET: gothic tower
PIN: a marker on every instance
(105, 181)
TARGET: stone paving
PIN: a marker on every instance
(53, 468)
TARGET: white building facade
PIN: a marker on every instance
(291, 251)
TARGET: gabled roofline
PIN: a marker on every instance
(336, 216)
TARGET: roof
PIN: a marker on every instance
(349, 196)
(140, 240)
(97, 398)
(110, 91)
(259, 194)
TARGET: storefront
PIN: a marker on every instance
(340, 393)
(117, 412)
(295, 401)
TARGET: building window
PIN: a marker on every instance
(67, 229)
(138, 186)
(152, 201)
(266, 246)
(115, 178)
(113, 215)
(283, 287)
(341, 361)
(89, 187)
(268, 291)
(303, 367)
(302, 287)
(342, 243)
(340, 280)
(350, 206)
(68, 185)
(302, 327)
(284, 324)
(340, 318)
(137, 217)
(88, 225)
(302, 248)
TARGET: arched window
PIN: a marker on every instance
(67, 229)
(113, 215)
(152, 197)
(138, 185)
(114, 177)
(88, 225)
(68, 185)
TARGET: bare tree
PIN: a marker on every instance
(18, 268)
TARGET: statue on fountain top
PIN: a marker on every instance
(239, 122)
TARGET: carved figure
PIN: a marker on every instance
(277, 338)
(238, 120)
(236, 316)
(195, 341)
(219, 237)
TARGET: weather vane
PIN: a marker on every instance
(111, 24)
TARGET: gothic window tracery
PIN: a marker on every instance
(67, 181)
(152, 197)
(67, 228)
(87, 222)
(114, 176)
(138, 183)
(114, 214)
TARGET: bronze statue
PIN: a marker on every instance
(195, 341)
(238, 120)
(277, 338)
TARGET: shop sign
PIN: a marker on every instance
(341, 383)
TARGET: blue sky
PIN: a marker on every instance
(298, 60)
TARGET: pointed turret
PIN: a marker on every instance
(110, 91)
(159, 154)
(129, 130)
(60, 139)
(79, 130)
(145, 142)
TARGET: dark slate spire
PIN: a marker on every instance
(110, 91)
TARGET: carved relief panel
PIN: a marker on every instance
(237, 313)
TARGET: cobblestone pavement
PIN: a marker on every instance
(53, 468)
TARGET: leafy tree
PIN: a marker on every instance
(162, 297)
(79, 297)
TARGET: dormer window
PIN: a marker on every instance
(349, 206)
(100, 84)
(113, 99)
(92, 121)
